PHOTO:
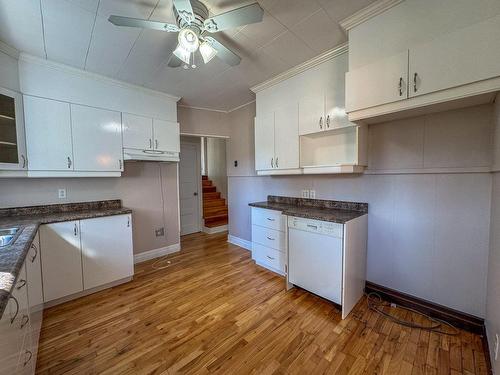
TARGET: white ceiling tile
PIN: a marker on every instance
(90, 5)
(289, 49)
(340, 9)
(261, 33)
(109, 47)
(291, 12)
(67, 31)
(163, 12)
(21, 25)
(319, 32)
(127, 8)
(150, 50)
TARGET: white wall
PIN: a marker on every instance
(428, 233)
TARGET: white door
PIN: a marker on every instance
(311, 114)
(61, 259)
(166, 135)
(137, 132)
(286, 137)
(97, 139)
(9, 337)
(378, 83)
(336, 116)
(189, 188)
(468, 55)
(48, 134)
(264, 142)
(107, 250)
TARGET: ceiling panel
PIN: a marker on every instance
(68, 29)
(291, 12)
(21, 25)
(291, 56)
(340, 9)
(90, 5)
(262, 33)
(127, 8)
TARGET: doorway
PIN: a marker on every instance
(189, 185)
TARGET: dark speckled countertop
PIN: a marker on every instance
(318, 209)
(28, 219)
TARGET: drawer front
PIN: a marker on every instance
(268, 237)
(268, 218)
(269, 258)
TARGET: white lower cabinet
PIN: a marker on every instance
(106, 250)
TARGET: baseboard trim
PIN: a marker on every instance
(239, 242)
(156, 253)
(457, 318)
(219, 229)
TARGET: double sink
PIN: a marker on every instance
(8, 236)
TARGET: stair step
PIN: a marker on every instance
(204, 177)
(209, 189)
(215, 202)
(212, 218)
(206, 182)
(211, 195)
(217, 223)
(212, 211)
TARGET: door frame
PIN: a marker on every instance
(193, 141)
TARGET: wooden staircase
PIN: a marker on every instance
(214, 207)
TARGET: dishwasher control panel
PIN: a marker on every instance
(316, 226)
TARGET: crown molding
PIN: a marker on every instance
(368, 12)
(201, 108)
(9, 50)
(240, 106)
(315, 61)
(89, 75)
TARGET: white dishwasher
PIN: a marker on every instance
(315, 256)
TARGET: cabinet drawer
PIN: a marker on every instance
(269, 258)
(268, 218)
(268, 237)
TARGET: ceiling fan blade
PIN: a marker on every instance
(145, 24)
(224, 53)
(184, 9)
(174, 61)
(238, 17)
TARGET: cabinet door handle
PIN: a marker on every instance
(415, 76)
(400, 86)
(270, 219)
(272, 164)
(120, 163)
(150, 143)
(24, 161)
(21, 284)
(75, 230)
(17, 310)
(270, 238)
(156, 144)
(270, 257)
(26, 361)
(128, 221)
(321, 122)
(312, 226)
(69, 162)
(36, 253)
(276, 162)
(25, 319)
(328, 121)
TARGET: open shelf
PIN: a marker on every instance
(5, 117)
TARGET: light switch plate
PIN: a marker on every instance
(305, 193)
(61, 193)
(312, 194)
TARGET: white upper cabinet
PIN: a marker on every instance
(166, 136)
(12, 140)
(468, 55)
(378, 83)
(107, 250)
(48, 134)
(286, 137)
(264, 142)
(97, 140)
(137, 132)
(311, 113)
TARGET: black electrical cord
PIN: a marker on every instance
(375, 303)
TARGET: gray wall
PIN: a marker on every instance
(148, 188)
(428, 233)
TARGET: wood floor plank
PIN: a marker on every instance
(213, 311)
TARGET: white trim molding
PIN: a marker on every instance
(247, 245)
(368, 12)
(215, 110)
(315, 61)
(9, 50)
(240, 106)
(156, 253)
(219, 229)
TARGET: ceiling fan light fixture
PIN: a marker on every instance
(182, 54)
(207, 51)
(189, 40)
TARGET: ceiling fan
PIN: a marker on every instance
(194, 26)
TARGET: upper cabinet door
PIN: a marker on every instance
(137, 132)
(465, 56)
(48, 134)
(312, 114)
(12, 140)
(378, 83)
(166, 136)
(97, 139)
(264, 142)
(286, 137)
(107, 250)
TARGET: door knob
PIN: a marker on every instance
(195, 193)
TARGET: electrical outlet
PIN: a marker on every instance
(61, 193)
(160, 232)
(496, 347)
(312, 194)
(305, 193)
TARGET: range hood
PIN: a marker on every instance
(150, 155)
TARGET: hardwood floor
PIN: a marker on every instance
(212, 310)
